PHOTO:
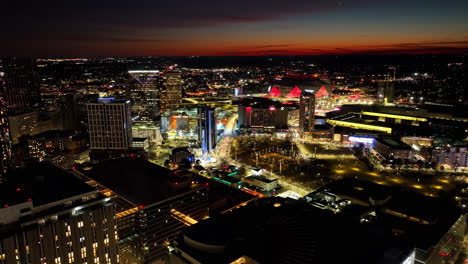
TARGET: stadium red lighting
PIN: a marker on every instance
(296, 92)
(274, 92)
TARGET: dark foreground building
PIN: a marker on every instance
(50, 216)
(366, 229)
(153, 204)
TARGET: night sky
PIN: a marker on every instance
(237, 27)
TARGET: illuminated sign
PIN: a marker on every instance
(106, 100)
(361, 140)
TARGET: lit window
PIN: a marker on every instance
(57, 260)
(80, 224)
(83, 252)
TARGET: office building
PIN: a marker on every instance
(50, 216)
(262, 115)
(392, 148)
(207, 130)
(6, 155)
(21, 88)
(24, 124)
(69, 112)
(153, 204)
(144, 94)
(109, 124)
(307, 112)
(385, 91)
(173, 84)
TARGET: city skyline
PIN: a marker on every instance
(215, 28)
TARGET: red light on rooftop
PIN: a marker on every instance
(272, 108)
(132, 156)
(141, 206)
(18, 189)
(73, 168)
(175, 172)
(29, 199)
(206, 184)
(176, 183)
(6, 205)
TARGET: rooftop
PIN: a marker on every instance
(142, 182)
(394, 143)
(276, 230)
(43, 183)
(422, 218)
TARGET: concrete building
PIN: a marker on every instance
(21, 88)
(153, 204)
(140, 144)
(6, 156)
(143, 92)
(49, 216)
(23, 125)
(392, 148)
(385, 91)
(207, 129)
(263, 116)
(173, 84)
(262, 182)
(109, 124)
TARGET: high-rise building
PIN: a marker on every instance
(6, 156)
(22, 90)
(173, 89)
(69, 112)
(385, 91)
(109, 124)
(144, 94)
(153, 204)
(24, 124)
(50, 216)
(207, 130)
(307, 112)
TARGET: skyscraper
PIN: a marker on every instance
(307, 112)
(385, 91)
(207, 133)
(173, 89)
(109, 124)
(143, 92)
(69, 112)
(21, 89)
(6, 157)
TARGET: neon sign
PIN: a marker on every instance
(361, 140)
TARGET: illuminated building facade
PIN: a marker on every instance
(307, 112)
(23, 124)
(207, 129)
(173, 84)
(143, 92)
(153, 204)
(109, 124)
(50, 216)
(385, 91)
(393, 148)
(6, 156)
(21, 81)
